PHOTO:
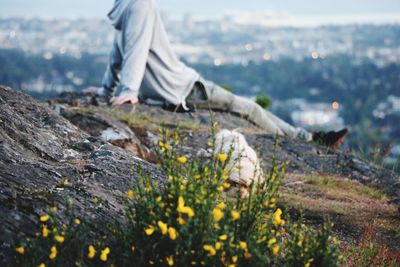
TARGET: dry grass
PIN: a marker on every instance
(349, 204)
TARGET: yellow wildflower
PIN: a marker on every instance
(44, 218)
(234, 259)
(91, 252)
(188, 211)
(170, 261)
(271, 242)
(163, 227)
(243, 245)
(20, 250)
(42, 265)
(104, 254)
(223, 237)
(218, 245)
(53, 253)
(222, 157)
(172, 233)
(221, 205)
(184, 209)
(276, 250)
(45, 231)
(226, 185)
(77, 221)
(133, 248)
(277, 218)
(210, 249)
(59, 238)
(218, 214)
(182, 159)
(232, 265)
(308, 264)
(163, 146)
(149, 230)
(130, 194)
(235, 215)
(181, 221)
(247, 255)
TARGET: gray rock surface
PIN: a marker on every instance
(45, 159)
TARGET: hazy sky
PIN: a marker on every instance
(209, 8)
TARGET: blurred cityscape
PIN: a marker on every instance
(324, 77)
(231, 39)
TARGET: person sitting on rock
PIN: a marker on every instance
(144, 66)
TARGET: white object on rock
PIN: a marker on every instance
(244, 164)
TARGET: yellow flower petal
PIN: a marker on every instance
(149, 230)
(45, 231)
(222, 157)
(170, 261)
(163, 227)
(172, 233)
(243, 245)
(20, 250)
(91, 252)
(181, 221)
(104, 254)
(182, 159)
(226, 185)
(234, 259)
(235, 215)
(276, 250)
(223, 237)
(59, 238)
(271, 242)
(217, 214)
(210, 249)
(53, 253)
(221, 205)
(44, 218)
(130, 194)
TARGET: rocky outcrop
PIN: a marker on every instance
(75, 147)
(45, 159)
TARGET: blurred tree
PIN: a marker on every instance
(263, 100)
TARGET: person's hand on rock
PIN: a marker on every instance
(123, 98)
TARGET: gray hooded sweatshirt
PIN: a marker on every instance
(142, 58)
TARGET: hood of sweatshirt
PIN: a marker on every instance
(117, 12)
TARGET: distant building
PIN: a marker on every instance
(321, 116)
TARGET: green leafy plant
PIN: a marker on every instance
(263, 100)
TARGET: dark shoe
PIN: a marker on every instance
(331, 139)
(178, 108)
(99, 100)
(198, 96)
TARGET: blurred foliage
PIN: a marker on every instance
(263, 100)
